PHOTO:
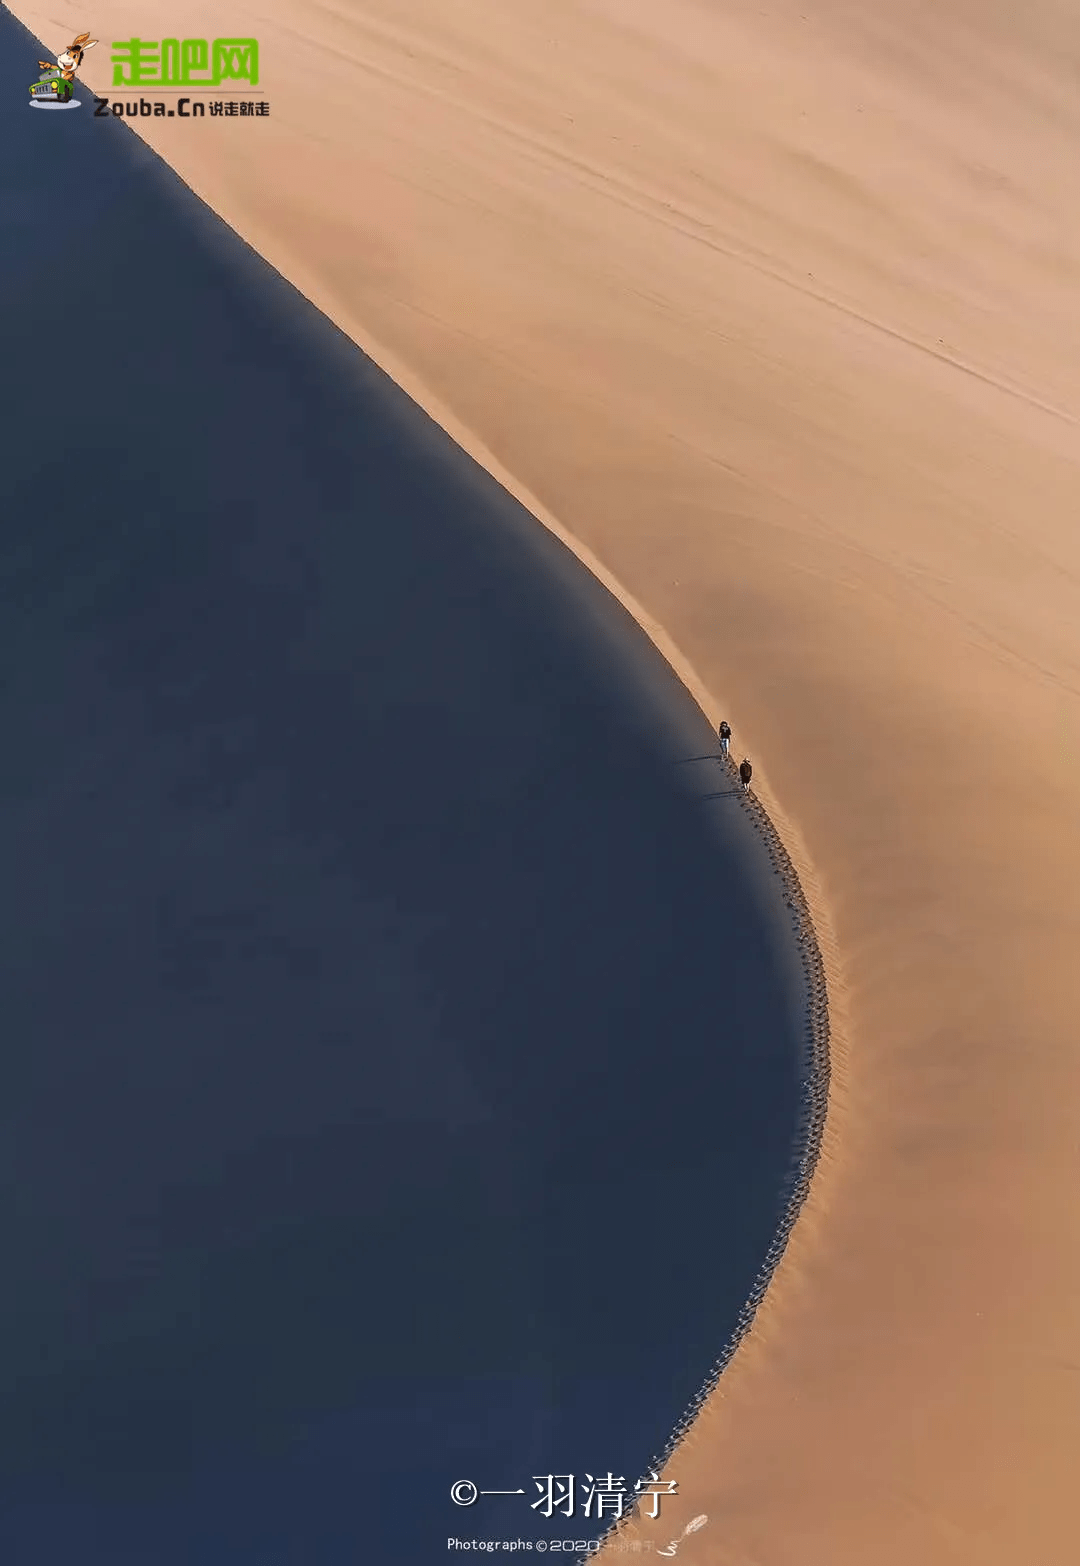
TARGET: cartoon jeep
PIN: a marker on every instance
(51, 88)
(57, 82)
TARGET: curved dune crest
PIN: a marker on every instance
(775, 311)
(807, 1153)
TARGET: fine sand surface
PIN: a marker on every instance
(390, 967)
(774, 308)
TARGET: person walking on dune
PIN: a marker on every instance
(725, 738)
(746, 772)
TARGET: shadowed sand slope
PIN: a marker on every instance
(390, 970)
(775, 308)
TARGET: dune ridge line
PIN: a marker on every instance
(809, 914)
(809, 1141)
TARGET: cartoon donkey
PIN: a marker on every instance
(66, 65)
(71, 58)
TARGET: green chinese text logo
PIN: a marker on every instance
(191, 62)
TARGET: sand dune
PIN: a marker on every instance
(774, 308)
